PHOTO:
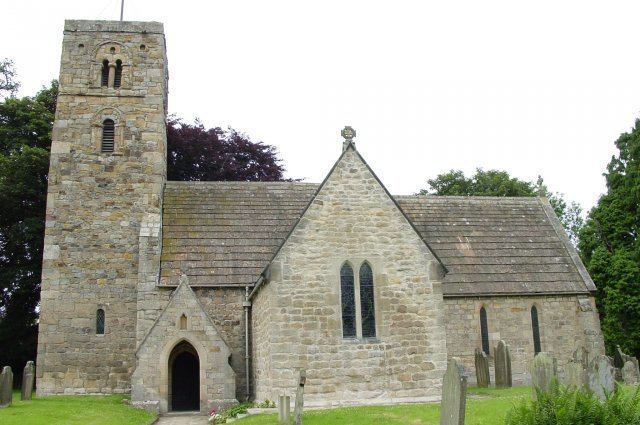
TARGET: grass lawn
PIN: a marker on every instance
(485, 406)
(71, 410)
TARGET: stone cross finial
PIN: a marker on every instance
(540, 186)
(348, 133)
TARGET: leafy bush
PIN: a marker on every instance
(266, 404)
(570, 406)
(234, 411)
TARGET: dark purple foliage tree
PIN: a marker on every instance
(195, 153)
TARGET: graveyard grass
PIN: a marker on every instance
(73, 410)
(485, 406)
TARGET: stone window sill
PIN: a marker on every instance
(373, 340)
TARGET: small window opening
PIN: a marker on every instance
(484, 331)
(118, 77)
(143, 47)
(100, 322)
(112, 50)
(183, 322)
(536, 330)
(108, 135)
(105, 73)
(81, 46)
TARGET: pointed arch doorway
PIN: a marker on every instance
(184, 378)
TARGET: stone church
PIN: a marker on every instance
(190, 295)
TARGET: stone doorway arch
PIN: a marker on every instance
(184, 378)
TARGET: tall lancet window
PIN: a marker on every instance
(347, 292)
(118, 76)
(367, 307)
(100, 319)
(108, 135)
(536, 330)
(484, 331)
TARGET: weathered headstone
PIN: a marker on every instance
(299, 397)
(483, 379)
(284, 409)
(27, 381)
(543, 372)
(575, 375)
(6, 387)
(601, 376)
(454, 394)
(503, 365)
(630, 374)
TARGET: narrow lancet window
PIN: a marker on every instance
(484, 331)
(108, 135)
(183, 322)
(104, 81)
(367, 307)
(118, 77)
(536, 330)
(100, 322)
(347, 291)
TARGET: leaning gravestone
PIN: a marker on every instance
(483, 379)
(630, 374)
(543, 372)
(27, 381)
(601, 376)
(575, 375)
(454, 394)
(284, 409)
(503, 365)
(6, 387)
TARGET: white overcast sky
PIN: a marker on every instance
(537, 87)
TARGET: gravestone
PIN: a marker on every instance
(483, 379)
(503, 365)
(630, 374)
(27, 381)
(601, 376)
(581, 355)
(299, 397)
(284, 409)
(543, 371)
(575, 375)
(454, 394)
(6, 387)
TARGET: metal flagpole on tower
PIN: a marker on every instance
(121, 9)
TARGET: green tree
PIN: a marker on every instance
(500, 183)
(610, 247)
(8, 83)
(25, 141)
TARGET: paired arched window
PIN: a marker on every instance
(100, 322)
(347, 291)
(108, 135)
(104, 79)
(484, 331)
(367, 307)
(118, 77)
(536, 330)
(350, 305)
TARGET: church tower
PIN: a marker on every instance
(107, 172)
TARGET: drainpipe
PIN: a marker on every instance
(246, 304)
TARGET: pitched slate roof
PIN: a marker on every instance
(225, 233)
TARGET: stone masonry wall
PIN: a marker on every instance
(96, 203)
(565, 323)
(297, 319)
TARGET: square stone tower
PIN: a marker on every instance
(108, 168)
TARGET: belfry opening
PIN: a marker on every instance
(184, 382)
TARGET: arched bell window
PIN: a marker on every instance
(484, 331)
(100, 318)
(536, 330)
(108, 135)
(347, 292)
(104, 79)
(118, 76)
(367, 305)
